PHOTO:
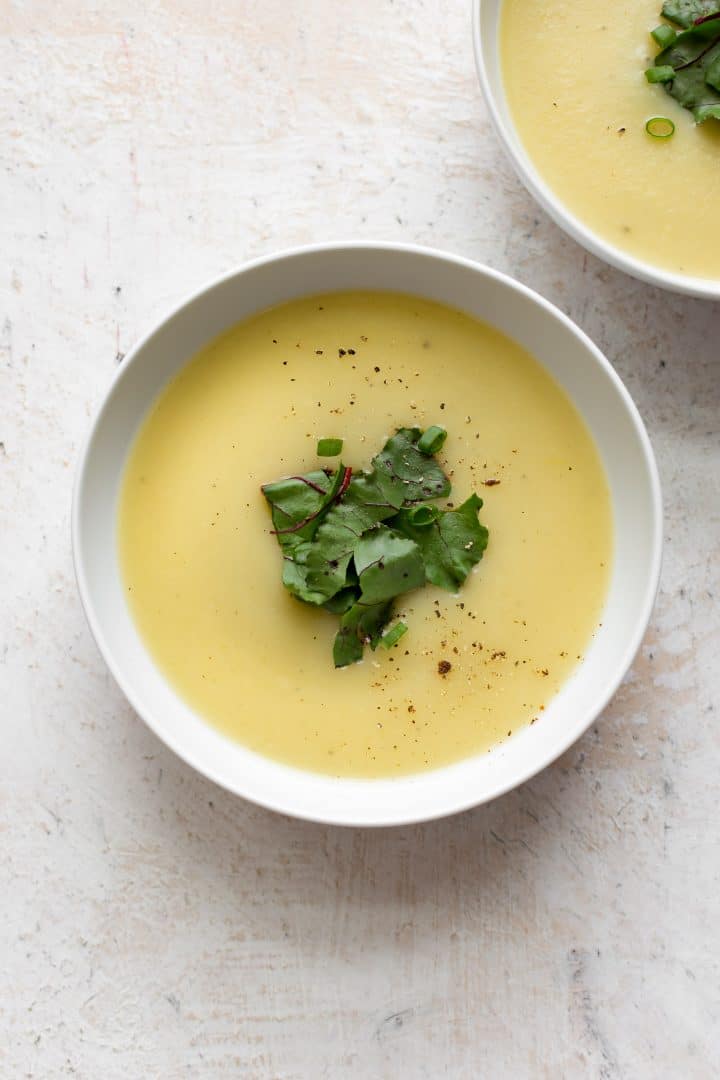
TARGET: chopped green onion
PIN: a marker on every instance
(663, 73)
(664, 35)
(431, 440)
(660, 127)
(329, 447)
(393, 636)
(420, 516)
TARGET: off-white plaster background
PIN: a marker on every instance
(154, 926)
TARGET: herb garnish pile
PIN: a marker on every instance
(689, 64)
(353, 542)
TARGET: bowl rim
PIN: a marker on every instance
(450, 804)
(686, 284)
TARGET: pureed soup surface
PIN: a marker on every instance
(574, 80)
(203, 573)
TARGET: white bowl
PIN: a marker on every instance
(572, 359)
(486, 39)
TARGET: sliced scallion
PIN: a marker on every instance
(664, 35)
(329, 447)
(393, 636)
(662, 73)
(660, 127)
(432, 439)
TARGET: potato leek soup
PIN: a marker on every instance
(574, 76)
(202, 569)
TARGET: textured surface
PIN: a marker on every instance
(154, 926)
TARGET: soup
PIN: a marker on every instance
(574, 82)
(202, 572)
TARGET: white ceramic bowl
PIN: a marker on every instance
(486, 21)
(564, 350)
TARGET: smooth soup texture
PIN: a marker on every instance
(574, 81)
(202, 572)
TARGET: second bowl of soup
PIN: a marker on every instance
(616, 160)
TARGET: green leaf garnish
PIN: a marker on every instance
(353, 542)
(689, 64)
(686, 12)
(360, 626)
(298, 505)
(387, 564)
(712, 72)
(707, 112)
(367, 501)
(421, 477)
(451, 546)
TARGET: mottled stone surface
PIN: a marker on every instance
(154, 926)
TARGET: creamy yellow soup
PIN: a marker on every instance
(574, 79)
(202, 571)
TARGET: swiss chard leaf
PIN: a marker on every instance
(298, 505)
(712, 70)
(294, 575)
(451, 545)
(362, 507)
(362, 625)
(420, 475)
(342, 601)
(695, 58)
(691, 89)
(387, 565)
(296, 502)
(686, 12)
(690, 45)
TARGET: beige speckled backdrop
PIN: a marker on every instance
(154, 926)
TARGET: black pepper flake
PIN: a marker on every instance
(443, 667)
(442, 404)
(341, 352)
(491, 483)
(351, 352)
(376, 369)
(318, 352)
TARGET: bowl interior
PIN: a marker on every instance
(566, 353)
(486, 33)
